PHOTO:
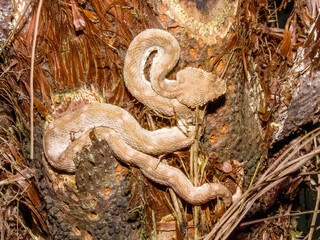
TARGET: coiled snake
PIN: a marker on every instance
(128, 140)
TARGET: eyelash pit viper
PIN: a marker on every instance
(131, 143)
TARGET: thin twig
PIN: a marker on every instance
(31, 79)
(175, 201)
(275, 217)
(316, 207)
(154, 235)
(280, 160)
(284, 165)
(225, 230)
(194, 162)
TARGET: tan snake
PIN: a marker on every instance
(128, 140)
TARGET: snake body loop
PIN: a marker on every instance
(131, 143)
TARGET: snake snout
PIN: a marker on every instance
(198, 87)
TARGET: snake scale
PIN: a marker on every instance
(131, 143)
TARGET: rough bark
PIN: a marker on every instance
(302, 85)
(272, 94)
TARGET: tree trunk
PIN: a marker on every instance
(271, 77)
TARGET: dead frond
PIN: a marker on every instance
(286, 164)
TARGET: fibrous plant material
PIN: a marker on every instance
(20, 216)
(284, 166)
(207, 20)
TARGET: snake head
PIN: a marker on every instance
(198, 87)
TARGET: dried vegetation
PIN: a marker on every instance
(66, 59)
